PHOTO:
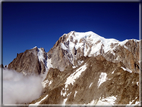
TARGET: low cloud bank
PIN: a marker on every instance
(20, 89)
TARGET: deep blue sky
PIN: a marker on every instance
(26, 25)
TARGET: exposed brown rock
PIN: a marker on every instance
(120, 83)
(115, 64)
(27, 62)
(128, 56)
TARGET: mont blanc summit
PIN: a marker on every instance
(84, 68)
(73, 45)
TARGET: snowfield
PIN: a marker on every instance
(71, 79)
(93, 39)
(103, 78)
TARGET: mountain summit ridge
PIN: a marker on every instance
(84, 68)
(74, 45)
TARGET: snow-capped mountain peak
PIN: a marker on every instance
(80, 39)
(89, 43)
(95, 70)
(73, 45)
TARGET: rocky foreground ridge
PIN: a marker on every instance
(86, 69)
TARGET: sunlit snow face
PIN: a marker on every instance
(97, 43)
(71, 79)
(103, 78)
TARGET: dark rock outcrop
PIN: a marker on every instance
(119, 83)
(28, 63)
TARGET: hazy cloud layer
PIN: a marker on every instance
(20, 89)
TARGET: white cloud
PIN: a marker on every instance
(20, 89)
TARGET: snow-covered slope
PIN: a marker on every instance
(95, 82)
(84, 68)
(73, 45)
(84, 40)
(91, 43)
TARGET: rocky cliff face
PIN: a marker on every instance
(96, 81)
(31, 61)
(85, 68)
